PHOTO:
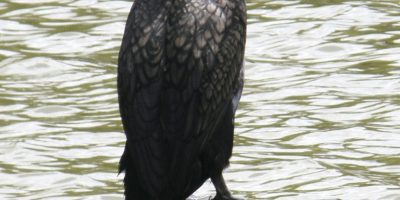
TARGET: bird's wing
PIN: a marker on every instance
(204, 49)
(140, 81)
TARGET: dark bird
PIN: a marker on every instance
(180, 78)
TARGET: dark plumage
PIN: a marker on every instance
(180, 78)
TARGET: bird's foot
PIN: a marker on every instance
(225, 197)
(222, 191)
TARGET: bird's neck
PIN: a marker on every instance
(153, 3)
(156, 4)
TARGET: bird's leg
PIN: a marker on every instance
(222, 191)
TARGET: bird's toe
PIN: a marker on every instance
(225, 197)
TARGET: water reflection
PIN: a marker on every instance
(319, 117)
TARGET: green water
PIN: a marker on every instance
(319, 117)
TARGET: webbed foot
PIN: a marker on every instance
(222, 191)
(225, 197)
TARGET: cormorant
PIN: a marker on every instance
(180, 78)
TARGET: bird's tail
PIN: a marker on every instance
(133, 189)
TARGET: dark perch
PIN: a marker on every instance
(180, 78)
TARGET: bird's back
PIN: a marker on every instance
(179, 71)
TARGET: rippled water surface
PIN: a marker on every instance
(319, 117)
